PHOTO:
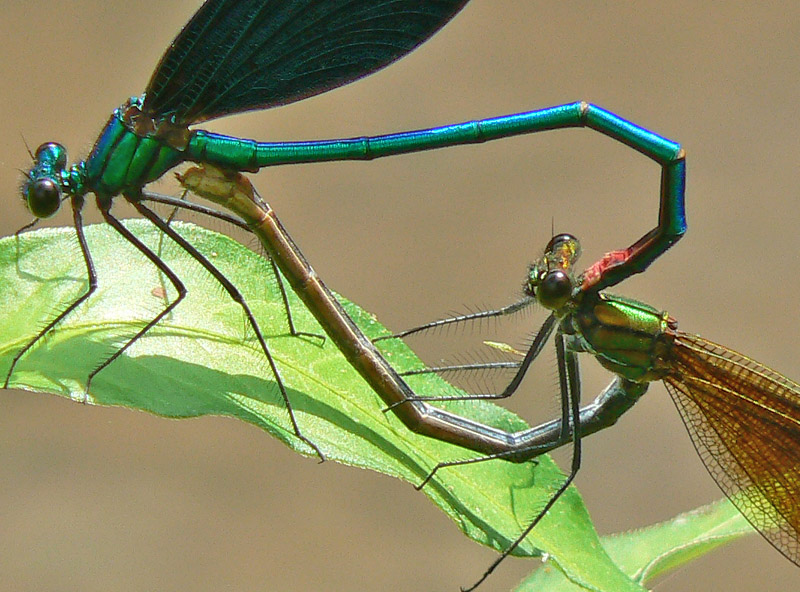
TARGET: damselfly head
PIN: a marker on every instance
(551, 279)
(44, 186)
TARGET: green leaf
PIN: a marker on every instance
(648, 553)
(202, 359)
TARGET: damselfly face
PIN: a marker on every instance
(45, 183)
(551, 280)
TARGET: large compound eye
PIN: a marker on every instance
(554, 289)
(43, 197)
(52, 153)
(557, 240)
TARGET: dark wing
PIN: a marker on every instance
(237, 55)
(744, 420)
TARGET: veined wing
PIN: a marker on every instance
(238, 55)
(744, 420)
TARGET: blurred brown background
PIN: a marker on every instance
(109, 499)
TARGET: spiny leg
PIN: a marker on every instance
(463, 367)
(569, 379)
(162, 267)
(237, 297)
(26, 228)
(568, 429)
(483, 314)
(193, 207)
(530, 453)
(182, 203)
(77, 205)
(574, 423)
(206, 211)
(224, 182)
(29, 226)
(533, 352)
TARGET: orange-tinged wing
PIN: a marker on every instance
(744, 420)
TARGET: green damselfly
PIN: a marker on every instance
(240, 55)
(743, 418)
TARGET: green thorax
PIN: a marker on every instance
(627, 337)
(127, 155)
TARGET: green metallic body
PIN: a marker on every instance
(743, 418)
(627, 337)
(135, 149)
(239, 55)
(124, 161)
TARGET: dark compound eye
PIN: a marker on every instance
(554, 289)
(557, 240)
(52, 153)
(43, 197)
